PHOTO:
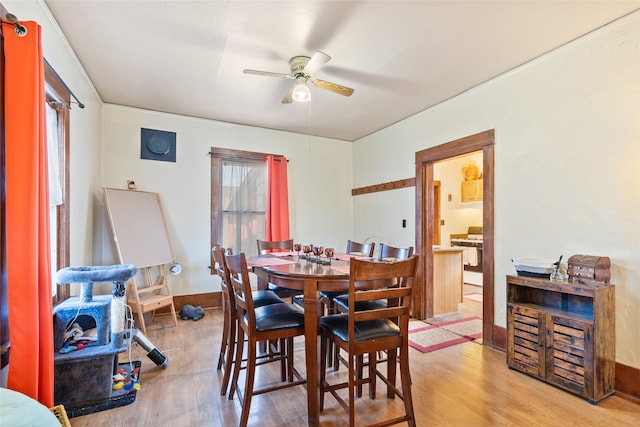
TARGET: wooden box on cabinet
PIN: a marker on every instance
(563, 333)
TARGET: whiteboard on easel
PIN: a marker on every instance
(138, 227)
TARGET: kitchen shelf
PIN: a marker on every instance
(471, 191)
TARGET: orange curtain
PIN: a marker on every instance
(28, 271)
(277, 199)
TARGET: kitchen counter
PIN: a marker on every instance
(447, 280)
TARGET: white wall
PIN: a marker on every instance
(319, 172)
(567, 162)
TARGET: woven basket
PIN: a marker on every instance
(61, 415)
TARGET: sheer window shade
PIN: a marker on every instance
(55, 186)
(243, 205)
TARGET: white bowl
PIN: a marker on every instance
(534, 265)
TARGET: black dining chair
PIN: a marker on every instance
(386, 253)
(273, 322)
(327, 298)
(229, 327)
(369, 331)
(341, 304)
(267, 246)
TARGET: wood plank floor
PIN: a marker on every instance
(464, 385)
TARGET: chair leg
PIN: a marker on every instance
(225, 335)
(392, 359)
(372, 374)
(334, 350)
(359, 366)
(323, 370)
(229, 356)
(238, 363)
(352, 386)
(290, 359)
(249, 381)
(406, 385)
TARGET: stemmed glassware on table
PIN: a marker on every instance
(329, 252)
(317, 251)
(307, 249)
(297, 247)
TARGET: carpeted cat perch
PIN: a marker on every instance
(89, 333)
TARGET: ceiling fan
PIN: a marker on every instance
(302, 68)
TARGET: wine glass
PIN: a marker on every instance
(297, 247)
(317, 251)
(307, 250)
(329, 252)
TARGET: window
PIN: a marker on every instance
(243, 205)
(57, 109)
(238, 199)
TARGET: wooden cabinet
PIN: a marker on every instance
(447, 280)
(471, 191)
(563, 333)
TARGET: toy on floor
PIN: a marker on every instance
(190, 312)
(125, 381)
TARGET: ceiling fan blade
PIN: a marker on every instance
(333, 87)
(288, 98)
(317, 60)
(267, 73)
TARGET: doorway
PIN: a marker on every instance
(425, 221)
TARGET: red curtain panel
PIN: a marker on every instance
(28, 269)
(277, 199)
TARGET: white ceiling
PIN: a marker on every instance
(401, 57)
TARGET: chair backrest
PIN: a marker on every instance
(387, 252)
(392, 281)
(221, 269)
(265, 246)
(218, 259)
(238, 280)
(362, 248)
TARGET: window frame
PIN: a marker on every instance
(218, 156)
(59, 96)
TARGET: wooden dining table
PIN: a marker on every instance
(290, 272)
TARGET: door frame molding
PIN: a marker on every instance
(425, 159)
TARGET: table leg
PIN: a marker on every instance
(312, 339)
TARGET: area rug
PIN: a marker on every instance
(470, 327)
(430, 338)
(474, 297)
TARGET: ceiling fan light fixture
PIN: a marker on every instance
(301, 93)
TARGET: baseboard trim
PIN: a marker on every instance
(208, 300)
(628, 383)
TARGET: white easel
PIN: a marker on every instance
(141, 239)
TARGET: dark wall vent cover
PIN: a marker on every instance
(158, 145)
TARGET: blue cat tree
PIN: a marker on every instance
(85, 376)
